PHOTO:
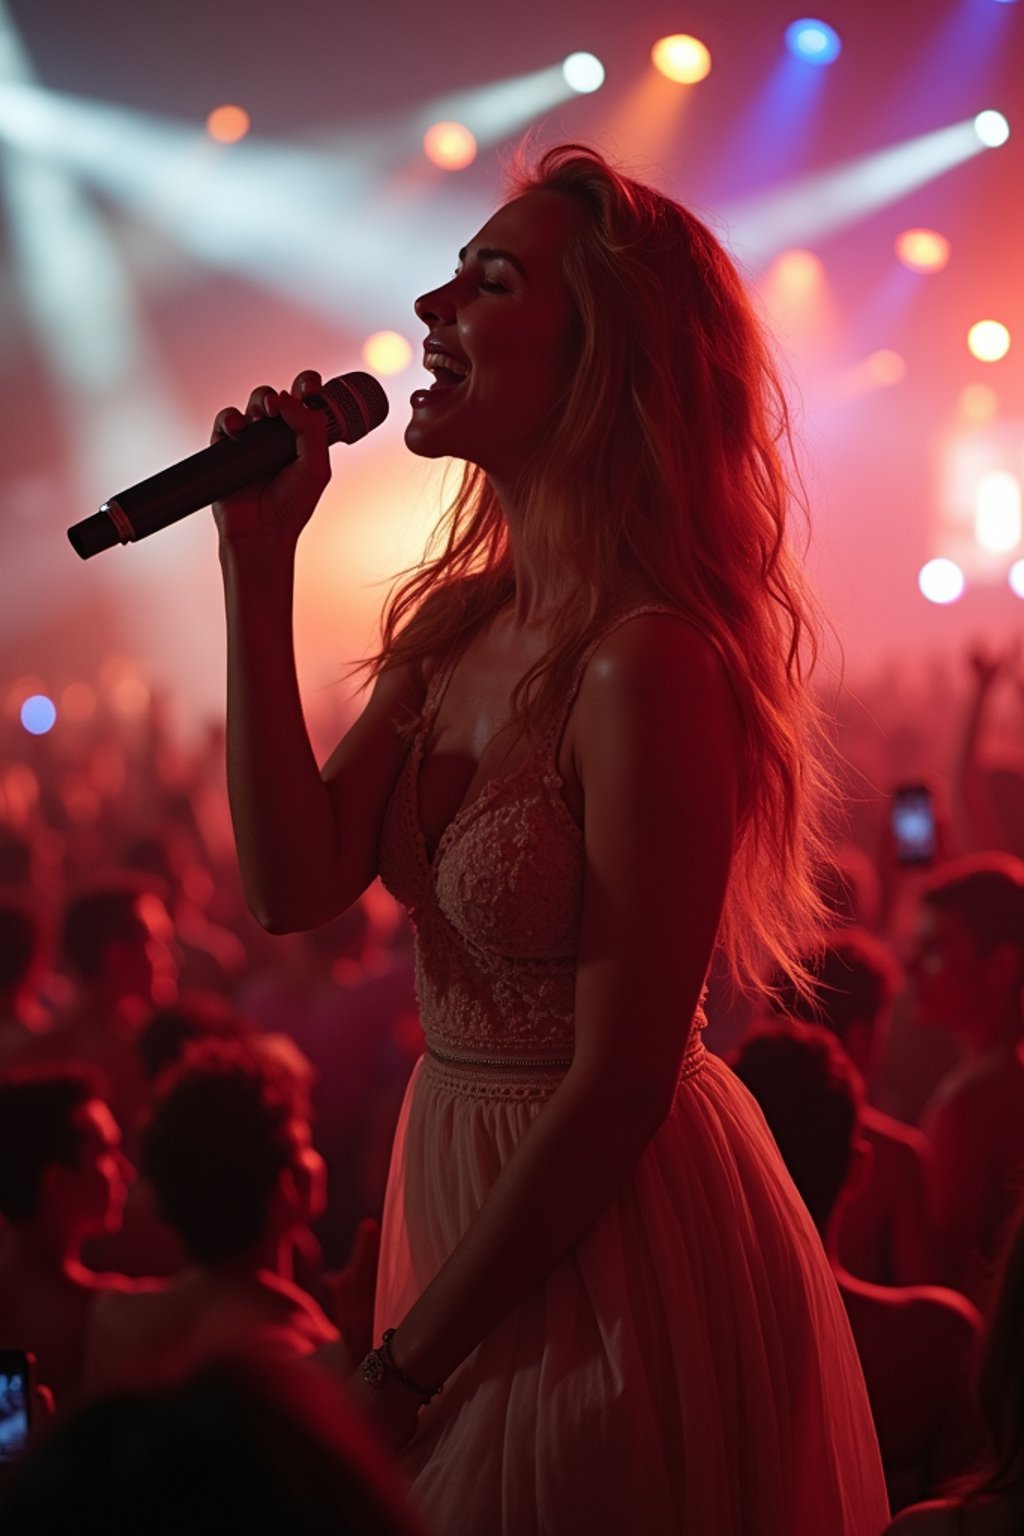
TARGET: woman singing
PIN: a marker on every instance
(584, 764)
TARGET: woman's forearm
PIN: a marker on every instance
(284, 823)
(563, 1174)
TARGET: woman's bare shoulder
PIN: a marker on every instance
(660, 649)
(660, 668)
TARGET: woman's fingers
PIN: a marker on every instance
(266, 401)
(262, 402)
(227, 423)
(309, 426)
(306, 383)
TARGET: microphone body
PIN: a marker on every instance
(354, 404)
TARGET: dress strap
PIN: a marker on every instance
(439, 680)
(554, 731)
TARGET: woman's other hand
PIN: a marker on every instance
(281, 506)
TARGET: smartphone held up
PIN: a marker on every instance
(16, 1369)
(913, 825)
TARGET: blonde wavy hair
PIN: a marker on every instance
(668, 474)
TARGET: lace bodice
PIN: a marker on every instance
(497, 910)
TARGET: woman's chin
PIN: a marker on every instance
(419, 439)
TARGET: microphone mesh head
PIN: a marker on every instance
(356, 404)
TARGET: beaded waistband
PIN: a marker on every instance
(495, 1077)
(519, 1077)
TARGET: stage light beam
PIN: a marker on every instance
(75, 286)
(501, 108)
(824, 202)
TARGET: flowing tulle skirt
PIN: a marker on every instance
(686, 1370)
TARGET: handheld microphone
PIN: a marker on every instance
(354, 404)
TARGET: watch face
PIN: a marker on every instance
(374, 1369)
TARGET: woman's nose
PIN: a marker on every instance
(435, 306)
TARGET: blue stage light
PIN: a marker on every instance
(812, 40)
(38, 714)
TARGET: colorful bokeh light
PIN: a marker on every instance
(681, 58)
(941, 581)
(923, 250)
(992, 129)
(78, 702)
(38, 714)
(997, 517)
(988, 341)
(583, 72)
(798, 270)
(885, 368)
(228, 124)
(450, 146)
(387, 352)
(814, 41)
(978, 402)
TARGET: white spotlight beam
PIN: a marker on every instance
(82, 308)
(322, 226)
(491, 112)
(815, 206)
(316, 228)
(494, 111)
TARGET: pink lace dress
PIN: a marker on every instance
(687, 1368)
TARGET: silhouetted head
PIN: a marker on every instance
(60, 1151)
(810, 1094)
(227, 1149)
(968, 958)
(117, 934)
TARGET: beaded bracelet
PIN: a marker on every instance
(381, 1363)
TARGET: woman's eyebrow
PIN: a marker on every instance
(491, 253)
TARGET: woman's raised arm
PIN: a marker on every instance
(307, 842)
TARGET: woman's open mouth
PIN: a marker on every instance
(449, 372)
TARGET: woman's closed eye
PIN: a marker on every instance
(485, 283)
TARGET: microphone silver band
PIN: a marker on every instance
(120, 520)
